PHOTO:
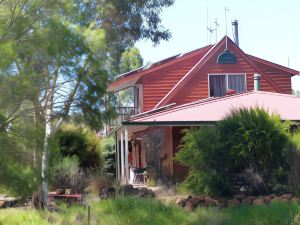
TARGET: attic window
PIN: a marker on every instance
(220, 83)
(227, 57)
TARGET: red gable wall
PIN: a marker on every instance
(197, 87)
(157, 84)
(158, 81)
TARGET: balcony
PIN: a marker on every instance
(124, 113)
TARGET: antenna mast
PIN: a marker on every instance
(207, 24)
(226, 9)
(216, 29)
(208, 28)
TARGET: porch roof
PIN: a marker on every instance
(211, 110)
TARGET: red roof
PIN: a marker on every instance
(129, 79)
(210, 53)
(214, 109)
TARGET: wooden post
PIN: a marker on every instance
(118, 166)
(126, 156)
(89, 214)
(122, 159)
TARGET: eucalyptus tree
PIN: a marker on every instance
(58, 51)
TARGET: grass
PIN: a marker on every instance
(133, 211)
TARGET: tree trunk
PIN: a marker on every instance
(45, 156)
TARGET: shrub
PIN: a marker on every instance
(99, 180)
(68, 175)
(109, 157)
(246, 140)
(295, 161)
(201, 151)
(255, 140)
(81, 142)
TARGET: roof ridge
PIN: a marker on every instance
(164, 59)
(188, 73)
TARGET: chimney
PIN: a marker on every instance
(236, 31)
(257, 78)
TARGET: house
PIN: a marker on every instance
(190, 90)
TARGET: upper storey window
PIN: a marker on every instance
(220, 83)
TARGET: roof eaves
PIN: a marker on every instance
(167, 123)
(280, 67)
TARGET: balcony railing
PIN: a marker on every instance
(124, 113)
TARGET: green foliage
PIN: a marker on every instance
(55, 66)
(135, 211)
(255, 139)
(245, 141)
(67, 174)
(109, 157)
(201, 152)
(131, 59)
(81, 142)
(17, 180)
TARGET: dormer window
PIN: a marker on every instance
(220, 83)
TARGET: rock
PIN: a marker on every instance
(146, 193)
(201, 197)
(239, 196)
(107, 192)
(2, 202)
(279, 199)
(248, 200)
(129, 190)
(189, 206)
(295, 200)
(287, 196)
(275, 199)
(210, 201)
(284, 199)
(233, 202)
(195, 201)
(181, 202)
(267, 198)
(258, 201)
(222, 202)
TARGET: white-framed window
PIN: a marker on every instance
(218, 84)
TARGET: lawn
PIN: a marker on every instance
(132, 211)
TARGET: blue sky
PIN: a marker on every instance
(267, 29)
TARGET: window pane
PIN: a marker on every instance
(217, 85)
(237, 83)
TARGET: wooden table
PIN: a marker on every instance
(72, 198)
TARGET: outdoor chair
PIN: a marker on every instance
(139, 174)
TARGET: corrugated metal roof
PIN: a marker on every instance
(214, 109)
(130, 78)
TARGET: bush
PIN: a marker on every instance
(295, 161)
(246, 140)
(99, 180)
(68, 175)
(109, 157)
(81, 142)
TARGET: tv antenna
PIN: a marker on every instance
(216, 29)
(209, 29)
(226, 10)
